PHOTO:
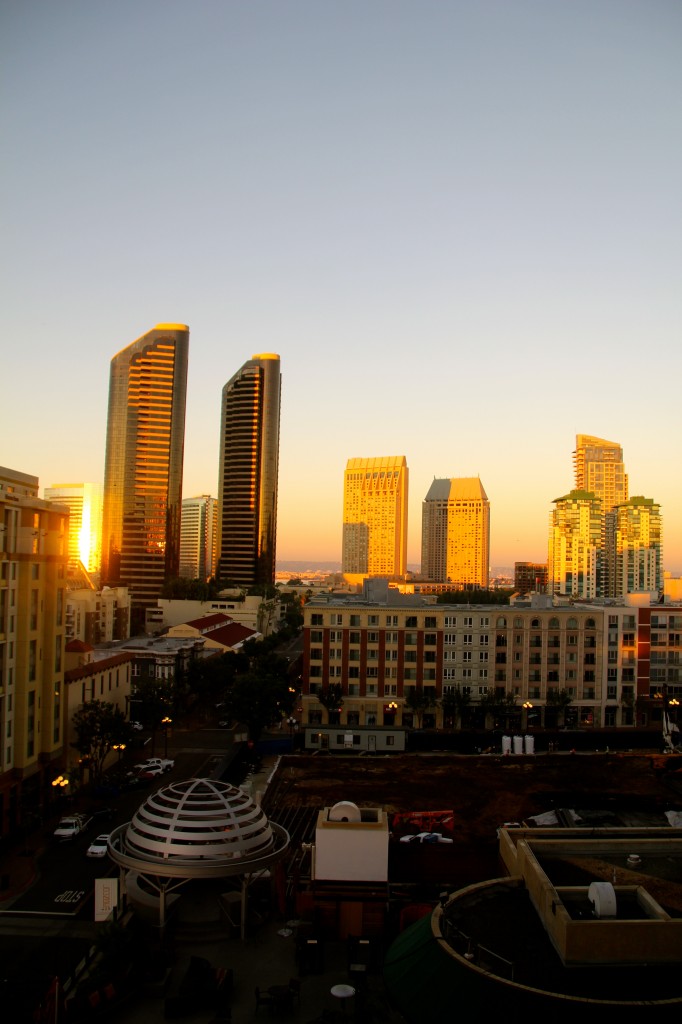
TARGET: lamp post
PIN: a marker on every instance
(120, 747)
(392, 708)
(165, 722)
(293, 726)
(526, 708)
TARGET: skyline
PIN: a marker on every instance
(459, 226)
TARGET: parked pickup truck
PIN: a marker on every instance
(69, 828)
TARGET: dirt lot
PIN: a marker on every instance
(483, 791)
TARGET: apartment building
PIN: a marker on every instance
(33, 560)
(378, 647)
(98, 616)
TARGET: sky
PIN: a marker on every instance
(458, 223)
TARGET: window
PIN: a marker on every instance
(411, 622)
(316, 653)
(466, 655)
(468, 638)
(337, 620)
(353, 672)
(411, 639)
(450, 620)
(355, 620)
(315, 620)
(483, 639)
(430, 639)
(390, 741)
(335, 636)
(482, 655)
(391, 620)
(354, 637)
(391, 638)
(468, 621)
(430, 622)
(372, 638)
(449, 638)
(316, 636)
(484, 621)
(373, 620)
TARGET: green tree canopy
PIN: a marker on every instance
(331, 697)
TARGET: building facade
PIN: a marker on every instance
(97, 616)
(575, 564)
(611, 666)
(530, 576)
(599, 469)
(144, 461)
(375, 517)
(634, 548)
(33, 560)
(456, 533)
(248, 474)
(84, 502)
(199, 538)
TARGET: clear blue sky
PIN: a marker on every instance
(457, 222)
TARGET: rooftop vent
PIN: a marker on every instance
(345, 810)
(602, 896)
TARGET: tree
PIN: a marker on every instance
(98, 725)
(418, 702)
(497, 701)
(331, 698)
(559, 698)
(259, 700)
(453, 704)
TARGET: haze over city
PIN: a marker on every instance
(458, 225)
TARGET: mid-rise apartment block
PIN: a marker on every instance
(199, 538)
(582, 665)
(456, 533)
(375, 517)
(634, 548)
(33, 560)
(530, 576)
(97, 616)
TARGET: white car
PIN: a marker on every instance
(426, 837)
(152, 763)
(98, 847)
(136, 726)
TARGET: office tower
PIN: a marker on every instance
(456, 532)
(575, 561)
(199, 537)
(599, 470)
(143, 469)
(249, 466)
(634, 552)
(84, 502)
(375, 517)
(33, 560)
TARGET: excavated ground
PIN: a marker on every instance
(483, 791)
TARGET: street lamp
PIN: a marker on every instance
(165, 722)
(120, 747)
(293, 726)
(527, 705)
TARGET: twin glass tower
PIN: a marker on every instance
(144, 465)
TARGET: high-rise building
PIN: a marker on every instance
(599, 469)
(199, 537)
(576, 556)
(634, 552)
(33, 559)
(456, 532)
(143, 469)
(84, 502)
(375, 517)
(249, 467)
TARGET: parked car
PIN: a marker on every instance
(72, 826)
(98, 846)
(426, 837)
(164, 763)
(136, 726)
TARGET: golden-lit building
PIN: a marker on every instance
(199, 537)
(634, 552)
(456, 532)
(144, 461)
(33, 560)
(375, 517)
(248, 473)
(576, 557)
(599, 469)
(84, 502)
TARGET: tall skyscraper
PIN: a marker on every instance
(576, 556)
(456, 532)
(199, 537)
(143, 469)
(634, 552)
(84, 502)
(249, 467)
(599, 469)
(375, 517)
